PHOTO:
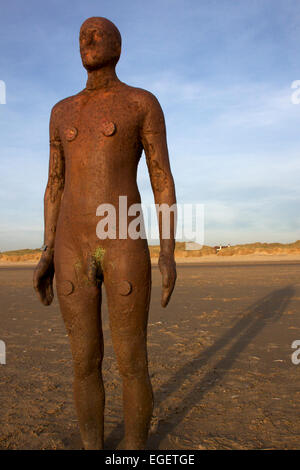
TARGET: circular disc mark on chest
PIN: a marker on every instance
(108, 128)
(71, 133)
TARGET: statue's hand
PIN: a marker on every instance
(43, 279)
(167, 268)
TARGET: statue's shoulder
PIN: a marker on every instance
(65, 105)
(144, 98)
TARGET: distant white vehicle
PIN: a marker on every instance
(220, 247)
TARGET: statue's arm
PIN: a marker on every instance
(55, 184)
(44, 272)
(156, 150)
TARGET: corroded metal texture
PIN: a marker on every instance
(96, 141)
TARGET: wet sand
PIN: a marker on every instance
(219, 356)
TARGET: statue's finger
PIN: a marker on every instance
(166, 295)
(49, 292)
(164, 298)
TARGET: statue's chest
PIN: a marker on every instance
(104, 124)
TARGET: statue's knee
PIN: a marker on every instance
(85, 366)
(131, 353)
(131, 369)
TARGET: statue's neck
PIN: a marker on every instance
(104, 78)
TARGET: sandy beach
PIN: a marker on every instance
(219, 357)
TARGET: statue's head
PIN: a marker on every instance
(100, 43)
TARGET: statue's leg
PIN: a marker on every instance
(127, 279)
(80, 303)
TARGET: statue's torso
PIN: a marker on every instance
(100, 135)
(101, 140)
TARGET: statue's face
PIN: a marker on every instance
(100, 43)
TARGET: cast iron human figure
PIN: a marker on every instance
(96, 141)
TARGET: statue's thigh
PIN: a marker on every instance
(127, 279)
(79, 300)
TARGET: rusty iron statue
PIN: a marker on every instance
(96, 141)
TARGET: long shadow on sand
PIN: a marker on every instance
(255, 318)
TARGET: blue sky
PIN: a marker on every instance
(222, 71)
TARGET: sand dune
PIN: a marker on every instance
(209, 253)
